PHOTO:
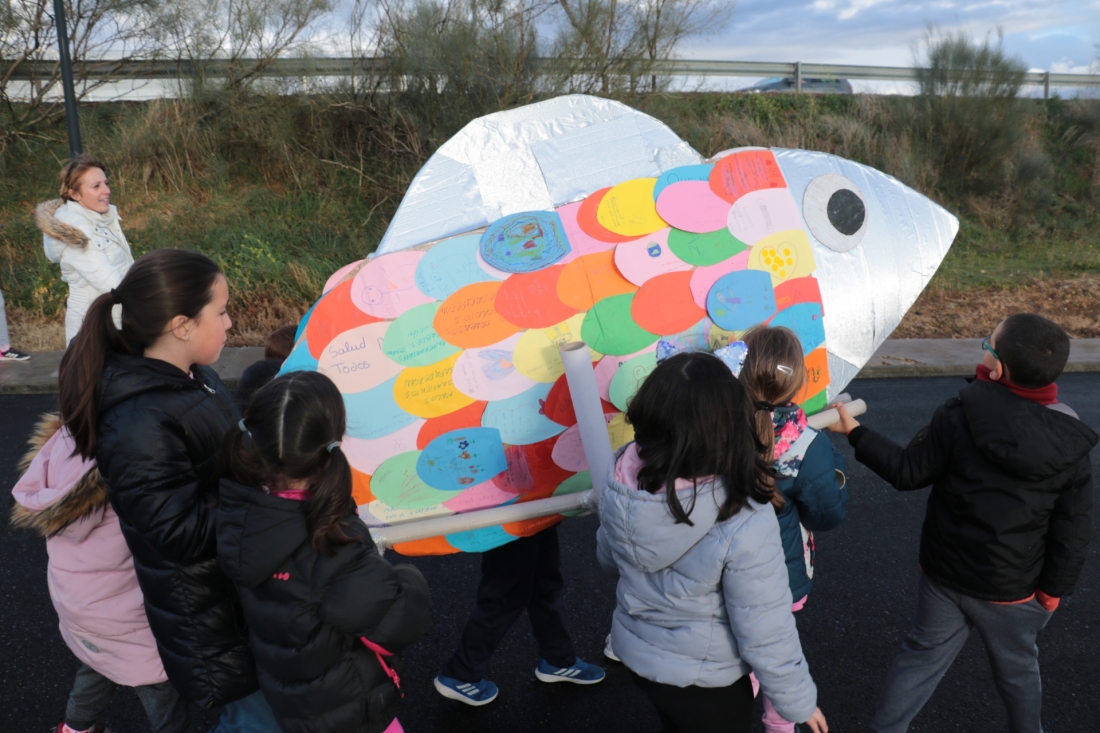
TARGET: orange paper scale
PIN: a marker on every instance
(334, 314)
(360, 488)
(469, 319)
(740, 173)
(586, 220)
(665, 306)
(467, 417)
(817, 375)
(530, 299)
(587, 280)
(430, 546)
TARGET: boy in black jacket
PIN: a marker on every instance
(1007, 525)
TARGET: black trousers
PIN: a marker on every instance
(701, 709)
(523, 574)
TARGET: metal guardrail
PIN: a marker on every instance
(847, 71)
(307, 67)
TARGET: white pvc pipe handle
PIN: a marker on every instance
(584, 500)
(586, 403)
(825, 418)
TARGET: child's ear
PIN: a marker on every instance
(180, 327)
(998, 371)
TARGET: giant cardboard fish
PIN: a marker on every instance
(580, 218)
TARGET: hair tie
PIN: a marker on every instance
(766, 406)
(114, 297)
(334, 444)
(247, 441)
(785, 369)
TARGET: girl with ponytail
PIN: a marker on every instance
(326, 612)
(142, 400)
(809, 478)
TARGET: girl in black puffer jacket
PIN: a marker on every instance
(326, 612)
(143, 401)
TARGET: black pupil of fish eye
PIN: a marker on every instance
(846, 211)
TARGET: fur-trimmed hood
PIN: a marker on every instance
(93, 586)
(57, 489)
(45, 216)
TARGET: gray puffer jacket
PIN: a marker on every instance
(705, 604)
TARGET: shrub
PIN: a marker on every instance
(449, 61)
(968, 119)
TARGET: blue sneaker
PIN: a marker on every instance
(581, 673)
(471, 693)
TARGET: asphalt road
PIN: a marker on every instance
(850, 629)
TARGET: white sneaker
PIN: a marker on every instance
(609, 652)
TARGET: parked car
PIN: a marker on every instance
(780, 84)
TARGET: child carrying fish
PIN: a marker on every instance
(686, 521)
(809, 470)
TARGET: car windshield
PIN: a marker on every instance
(770, 80)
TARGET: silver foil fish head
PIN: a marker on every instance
(870, 279)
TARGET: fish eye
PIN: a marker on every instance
(835, 211)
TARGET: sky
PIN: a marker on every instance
(1050, 35)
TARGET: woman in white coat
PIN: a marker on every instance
(81, 231)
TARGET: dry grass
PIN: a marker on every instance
(32, 331)
(973, 313)
(252, 325)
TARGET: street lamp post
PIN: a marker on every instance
(72, 120)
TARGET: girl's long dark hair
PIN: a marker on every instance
(289, 424)
(692, 418)
(158, 287)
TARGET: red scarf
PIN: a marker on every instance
(1047, 395)
(292, 494)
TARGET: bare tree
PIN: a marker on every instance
(611, 46)
(361, 42)
(447, 61)
(103, 36)
(240, 38)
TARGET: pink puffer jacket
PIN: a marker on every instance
(91, 573)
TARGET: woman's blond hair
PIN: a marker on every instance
(74, 170)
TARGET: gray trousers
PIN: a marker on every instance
(5, 340)
(942, 623)
(92, 692)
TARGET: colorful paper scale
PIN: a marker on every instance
(447, 355)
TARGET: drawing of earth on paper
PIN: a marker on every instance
(582, 219)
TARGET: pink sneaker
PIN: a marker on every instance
(62, 728)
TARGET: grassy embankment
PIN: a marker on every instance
(284, 191)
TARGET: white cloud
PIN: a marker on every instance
(855, 6)
(1066, 66)
(886, 32)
